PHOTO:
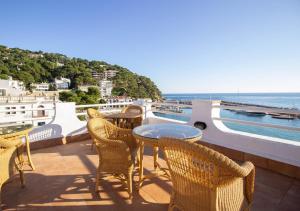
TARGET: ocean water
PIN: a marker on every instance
(282, 100)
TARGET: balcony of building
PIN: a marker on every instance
(65, 172)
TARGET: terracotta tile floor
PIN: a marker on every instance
(65, 175)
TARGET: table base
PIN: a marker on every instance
(158, 169)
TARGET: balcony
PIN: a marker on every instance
(65, 166)
(64, 180)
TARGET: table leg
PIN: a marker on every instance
(28, 152)
(155, 157)
(141, 168)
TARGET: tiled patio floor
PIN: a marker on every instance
(65, 176)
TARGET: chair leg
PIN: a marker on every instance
(129, 184)
(170, 208)
(92, 146)
(0, 197)
(97, 181)
(172, 204)
(22, 178)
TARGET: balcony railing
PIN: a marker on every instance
(65, 123)
(105, 108)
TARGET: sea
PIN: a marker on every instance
(280, 100)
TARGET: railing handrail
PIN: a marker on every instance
(31, 109)
(248, 108)
(26, 120)
(174, 104)
(102, 111)
(244, 122)
(102, 104)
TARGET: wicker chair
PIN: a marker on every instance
(10, 159)
(93, 113)
(204, 179)
(135, 109)
(117, 150)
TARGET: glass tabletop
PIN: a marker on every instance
(14, 129)
(178, 131)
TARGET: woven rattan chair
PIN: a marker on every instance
(204, 179)
(93, 113)
(117, 150)
(10, 159)
(135, 109)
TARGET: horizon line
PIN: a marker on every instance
(298, 92)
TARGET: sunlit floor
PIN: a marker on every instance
(65, 176)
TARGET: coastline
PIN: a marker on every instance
(247, 108)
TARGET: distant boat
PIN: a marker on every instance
(250, 113)
(282, 116)
(256, 113)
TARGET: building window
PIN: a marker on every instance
(14, 108)
(23, 107)
(41, 123)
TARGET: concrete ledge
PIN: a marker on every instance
(58, 141)
(266, 163)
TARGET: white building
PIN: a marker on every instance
(119, 99)
(105, 88)
(27, 110)
(40, 87)
(62, 83)
(97, 75)
(109, 74)
(11, 87)
(105, 75)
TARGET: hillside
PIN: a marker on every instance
(35, 67)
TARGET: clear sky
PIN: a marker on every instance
(183, 46)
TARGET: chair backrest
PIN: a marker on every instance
(196, 171)
(135, 109)
(98, 128)
(93, 113)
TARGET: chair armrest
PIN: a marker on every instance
(249, 174)
(247, 167)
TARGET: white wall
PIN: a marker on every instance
(65, 123)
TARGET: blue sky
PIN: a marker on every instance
(183, 46)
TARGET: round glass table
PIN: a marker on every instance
(156, 131)
(149, 135)
(19, 132)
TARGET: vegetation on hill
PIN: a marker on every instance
(133, 85)
(36, 67)
(81, 97)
